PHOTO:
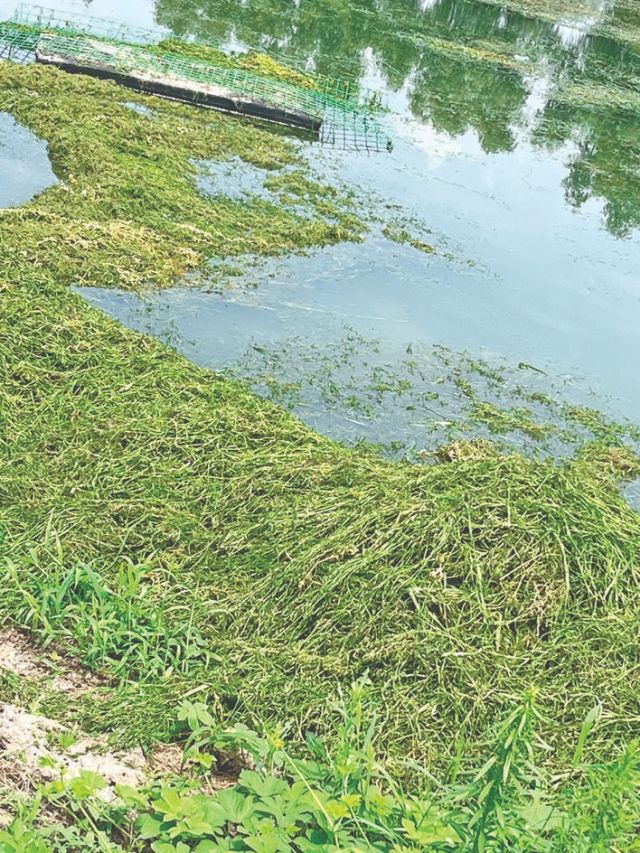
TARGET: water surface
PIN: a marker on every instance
(24, 164)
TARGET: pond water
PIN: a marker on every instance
(517, 144)
(24, 164)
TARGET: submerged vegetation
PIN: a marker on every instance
(411, 400)
(219, 562)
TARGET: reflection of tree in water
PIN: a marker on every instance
(459, 96)
(607, 162)
(607, 136)
(622, 21)
(335, 32)
(456, 90)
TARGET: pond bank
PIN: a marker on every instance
(454, 586)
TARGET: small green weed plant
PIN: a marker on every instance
(118, 625)
(342, 799)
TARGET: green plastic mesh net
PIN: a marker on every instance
(336, 112)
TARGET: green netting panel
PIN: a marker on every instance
(17, 44)
(44, 18)
(344, 122)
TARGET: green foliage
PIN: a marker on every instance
(340, 798)
(494, 818)
(19, 838)
(604, 811)
(117, 627)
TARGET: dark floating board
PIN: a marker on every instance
(180, 89)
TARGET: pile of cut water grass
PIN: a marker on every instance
(127, 209)
(456, 587)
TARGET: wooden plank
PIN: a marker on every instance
(180, 89)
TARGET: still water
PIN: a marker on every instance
(517, 144)
(24, 164)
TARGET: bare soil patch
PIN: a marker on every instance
(30, 753)
(20, 656)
